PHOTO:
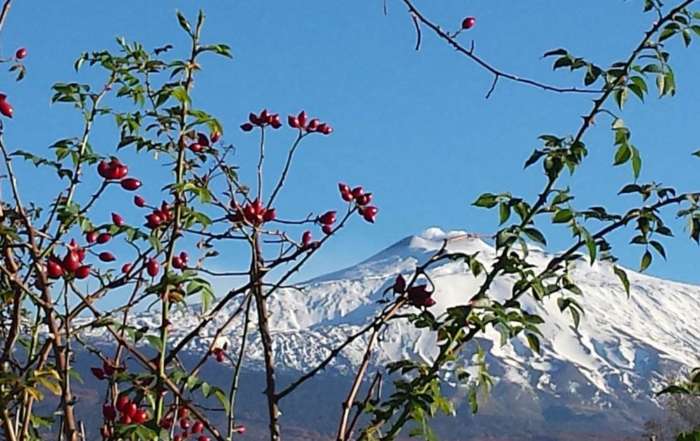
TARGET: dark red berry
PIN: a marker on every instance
(117, 220)
(183, 412)
(327, 218)
(177, 262)
(139, 201)
(122, 402)
(54, 269)
(91, 236)
(293, 121)
(196, 147)
(468, 22)
(153, 267)
(203, 438)
(103, 169)
(140, 416)
(327, 229)
(215, 137)
(184, 423)
(198, 427)
(357, 192)
(5, 107)
(98, 373)
(82, 272)
(130, 184)
(126, 268)
(125, 419)
(109, 412)
(130, 409)
(153, 220)
(71, 261)
(246, 127)
(369, 213)
(21, 53)
(301, 118)
(106, 256)
(306, 238)
(104, 238)
(364, 199)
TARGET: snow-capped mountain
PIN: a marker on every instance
(620, 354)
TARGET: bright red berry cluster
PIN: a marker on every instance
(263, 119)
(362, 199)
(418, 295)
(254, 213)
(130, 413)
(302, 122)
(71, 264)
(187, 425)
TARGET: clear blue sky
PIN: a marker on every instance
(414, 128)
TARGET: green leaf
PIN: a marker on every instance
(184, 24)
(563, 216)
(622, 275)
(623, 154)
(535, 235)
(486, 200)
(504, 212)
(533, 342)
(646, 261)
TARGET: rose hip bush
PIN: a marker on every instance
(61, 258)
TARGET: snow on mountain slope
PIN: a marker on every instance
(621, 350)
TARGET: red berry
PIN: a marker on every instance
(125, 420)
(109, 412)
(5, 107)
(166, 423)
(153, 267)
(246, 127)
(103, 169)
(130, 184)
(91, 236)
(364, 199)
(215, 136)
(198, 427)
(177, 262)
(21, 53)
(140, 416)
(54, 269)
(82, 272)
(117, 220)
(269, 215)
(202, 140)
(98, 373)
(177, 438)
(274, 121)
(71, 261)
(104, 238)
(369, 213)
(468, 22)
(313, 125)
(139, 201)
(325, 129)
(184, 257)
(122, 402)
(301, 118)
(117, 169)
(400, 284)
(345, 192)
(327, 229)
(203, 438)
(108, 368)
(293, 121)
(220, 356)
(328, 218)
(357, 192)
(184, 423)
(130, 409)
(106, 256)
(196, 147)
(153, 220)
(126, 268)
(183, 412)
(306, 238)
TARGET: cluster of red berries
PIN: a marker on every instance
(203, 142)
(302, 122)
(106, 371)
(159, 216)
(254, 213)
(263, 119)
(180, 261)
(186, 424)
(362, 199)
(327, 220)
(115, 170)
(5, 107)
(71, 264)
(130, 413)
(418, 295)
